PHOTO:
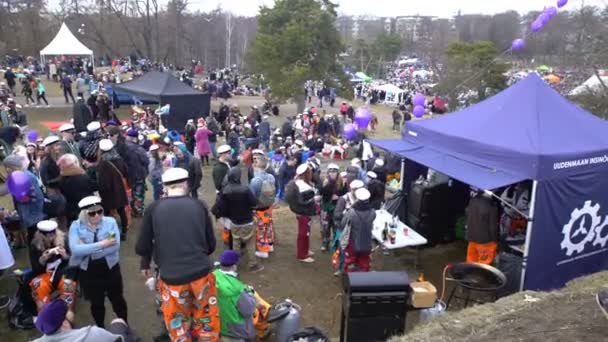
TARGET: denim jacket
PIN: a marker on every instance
(84, 249)
(31, 208)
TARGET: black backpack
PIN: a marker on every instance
(22, 308)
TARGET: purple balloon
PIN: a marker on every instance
(518, 44)
(562, 3)
(536, 26)
(350, 131)
(419, 99)
(544, 18)
(19, 184)
(419, 111)
(551, 11)
(32, 136)
(362, 118)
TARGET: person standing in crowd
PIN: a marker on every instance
(56, 322)
(31, 206)
(6, 261)
(482, 229)
(66, 85)
(287, 172)
(376, 190)
(177, 231)
(300, 195)
(380, 170)
(331, 190)
(155, 171)
(74, 184)
(236, 301)
(68, 144)
(10, 77)
(214, 129)
(356, 238)
(264, 132)
(221, 167)
(81, 86)
(137, 171)
(344, 203)
(263, 187)
(49, 171)
(202, 142)
(95, 250)
(236, 203)
(41, 92)
(396, 120)
(113, 184)
(92, 103)
(50, 257)
(188, 162)
(189, 132)
(27, 91)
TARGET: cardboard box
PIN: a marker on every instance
(424, 294)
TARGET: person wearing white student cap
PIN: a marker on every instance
(49, 171)
(376, 189)
(356, 238)
(49, 257)
(301, 196)
(331, 190)
(68, 143)
(95, 250)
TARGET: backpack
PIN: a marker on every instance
(309, 334)
(267, 193)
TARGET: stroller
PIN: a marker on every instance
(22, 308)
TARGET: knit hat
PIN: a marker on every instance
(229, 258)
(51, 317)
(132, 132)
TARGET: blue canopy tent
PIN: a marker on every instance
(529, 131)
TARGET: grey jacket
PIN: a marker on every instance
(358, 223)
(86, 334)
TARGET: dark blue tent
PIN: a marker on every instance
(529, 131)
(163, 88)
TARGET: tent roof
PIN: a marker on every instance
(155, 84)
(591, 85)
(389, 88)
(527, 131)
(65, 43)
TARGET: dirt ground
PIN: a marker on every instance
(312, 286)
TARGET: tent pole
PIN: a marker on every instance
(528, 235)
(402, 174)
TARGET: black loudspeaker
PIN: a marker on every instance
(374, 306)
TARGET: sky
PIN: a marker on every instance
(391, 8)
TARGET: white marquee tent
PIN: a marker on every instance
(66, 44)
(591, 85)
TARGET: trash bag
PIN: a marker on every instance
(309, 334)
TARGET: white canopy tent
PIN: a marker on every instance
(590, 86)
(66, 44)
(392, 92)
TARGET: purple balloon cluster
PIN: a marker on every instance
(543, 19)
(350, 131)
(419, 101)
(363, 118)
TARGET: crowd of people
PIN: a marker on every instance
(88, 184)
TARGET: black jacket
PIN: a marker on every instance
(74, 188)
(82, 116)
(301, 197)
(482, 220)
(49, 170)
(236, 201)
(179, 233)
(137, 162)
(376, 189)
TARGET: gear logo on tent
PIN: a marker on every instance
(577, 236)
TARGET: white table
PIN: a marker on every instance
(412, 239)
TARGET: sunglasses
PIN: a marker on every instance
(94, 213)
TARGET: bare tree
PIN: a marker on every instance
(229, 29)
